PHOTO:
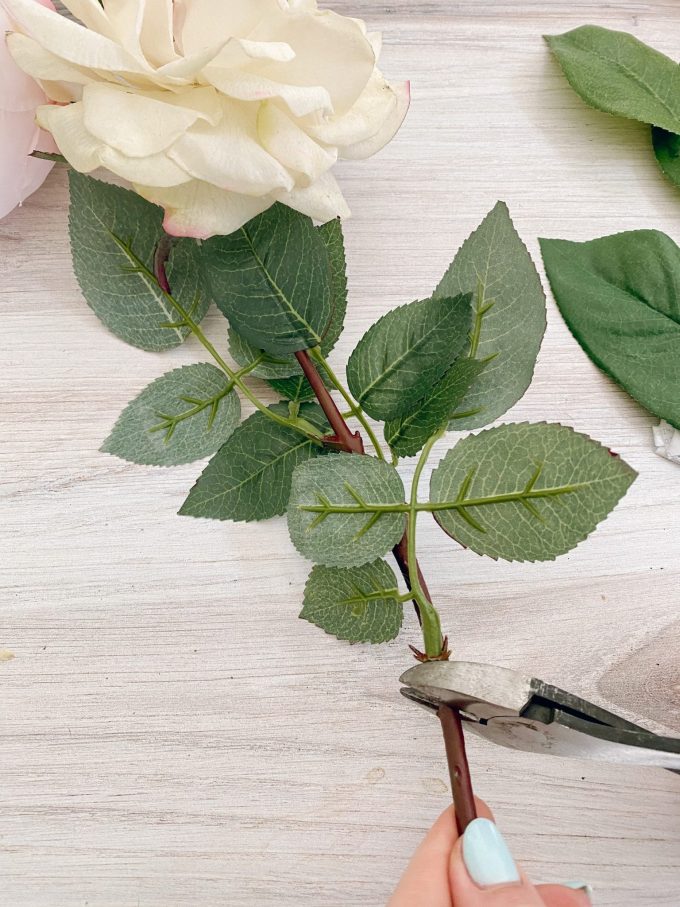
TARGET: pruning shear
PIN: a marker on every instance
(525, 713)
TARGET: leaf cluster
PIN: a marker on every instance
(457, 359)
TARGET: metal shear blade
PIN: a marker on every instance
(528, 714)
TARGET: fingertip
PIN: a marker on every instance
(483, 811)
(482, 872)
(559, 896)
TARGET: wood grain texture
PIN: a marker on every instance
(171, 734)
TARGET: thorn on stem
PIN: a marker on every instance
(444, 654)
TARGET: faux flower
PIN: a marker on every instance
(213, 109)
(20, 175)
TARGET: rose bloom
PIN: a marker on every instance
(214, 109)
(20, 175)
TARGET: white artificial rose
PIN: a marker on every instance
(214, 109)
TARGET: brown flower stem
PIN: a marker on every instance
(452, 728)
(343, 437)
(160, 258)
(459, 770)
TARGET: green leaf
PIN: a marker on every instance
(182, 416)
(614, 72)
(282, 373)
(620, 296)
(330, 515)
(114, 231)
(296, 388)
(276, 367)
(667, 150)
(526, 492)
(249, 477)
(331, 234)
(271, 279)
(406, 352)
(407, 434)
(360, 604)
(270, 366)
(509, 316)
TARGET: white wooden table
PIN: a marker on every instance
(171, 734)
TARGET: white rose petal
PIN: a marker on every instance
(92, 15)
(231, 156)
(323, 200)
(41, 64)
(139, 124)
(393, 117)
(156, 38)
(73, 140)
(214, 109)
(207, 21)
(70, 40)
(291, 145)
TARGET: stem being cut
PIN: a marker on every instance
(429, 618)
(404, 552)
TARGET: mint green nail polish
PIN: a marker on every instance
(486, 855)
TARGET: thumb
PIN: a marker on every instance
(482, 872)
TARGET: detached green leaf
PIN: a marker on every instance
(509, 316)
(620, 296)
(526, 492)
(408, 434)
(406, 352)
(360, 604)
(667, 150)
(332, 515)
(182, 416)
(614, 72)
(249, 477)
(103, 221)
(271, 279)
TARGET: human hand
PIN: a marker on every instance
(476, 870)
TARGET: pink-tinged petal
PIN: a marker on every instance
(17, 90)
(199, 210)
(20, 174)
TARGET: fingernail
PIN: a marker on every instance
(486, 855)
(579, 886)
